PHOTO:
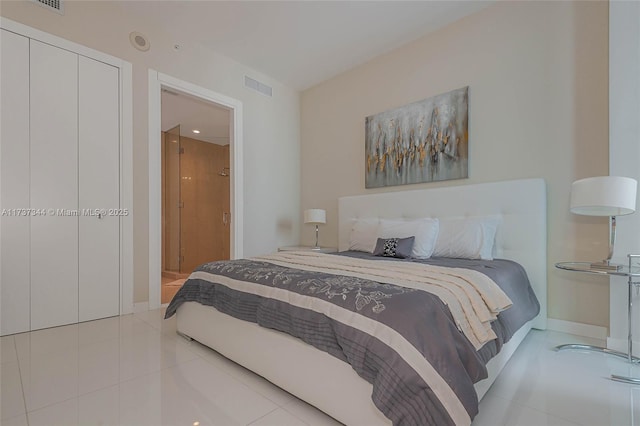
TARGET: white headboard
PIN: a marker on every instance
(521, 237)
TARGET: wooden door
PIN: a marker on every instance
(204, 236)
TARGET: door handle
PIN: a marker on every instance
(225, 218)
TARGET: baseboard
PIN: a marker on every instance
(622, 345)
(140, 307)
(579, 329)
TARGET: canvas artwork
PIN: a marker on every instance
(424, 141)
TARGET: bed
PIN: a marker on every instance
(330, 383)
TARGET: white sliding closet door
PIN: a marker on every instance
(54, 185)
(99, 141)
(14, 183)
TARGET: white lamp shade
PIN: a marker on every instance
(315, 216)
(604, 196)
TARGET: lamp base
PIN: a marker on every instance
(606, 265)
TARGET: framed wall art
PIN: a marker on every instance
(425, 141)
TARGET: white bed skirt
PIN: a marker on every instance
(314, 376)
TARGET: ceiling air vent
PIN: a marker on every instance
(256, 85)
(55, 5)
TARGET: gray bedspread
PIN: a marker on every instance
(402, 394)
(512, 279)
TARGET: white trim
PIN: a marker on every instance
(156, 81)
(579, 329)
(126, 145)
(126, 188)
(155, 192)
(140, 307)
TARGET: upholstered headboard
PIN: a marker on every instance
(521, 236)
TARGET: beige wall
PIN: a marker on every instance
(271, 125)
(538, 87)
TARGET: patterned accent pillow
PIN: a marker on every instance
(425, 231)
(394, 247)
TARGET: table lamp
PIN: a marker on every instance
(315, 216)
(604, 196)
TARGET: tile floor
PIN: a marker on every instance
(134, 370)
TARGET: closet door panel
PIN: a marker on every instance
(54, 185)
(14, 183)
(99, 193)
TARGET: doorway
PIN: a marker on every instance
(195, 187)
(194, 182)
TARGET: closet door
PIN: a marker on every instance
(54, 185)
(14, 183)
(99, 189)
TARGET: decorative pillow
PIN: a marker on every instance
(424, 230)
(394, 247)
(467, 238)
(363, 234)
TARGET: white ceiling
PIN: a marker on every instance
(300, 43)
(193, 114)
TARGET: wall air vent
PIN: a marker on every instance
(55, 5)
(256, 85)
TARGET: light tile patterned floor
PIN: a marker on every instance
(135, 370)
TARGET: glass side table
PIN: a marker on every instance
(631, 272)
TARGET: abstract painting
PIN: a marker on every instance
(424, 141)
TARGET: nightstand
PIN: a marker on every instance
(309, 248)
(630, 272)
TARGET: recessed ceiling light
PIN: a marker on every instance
(196, 131)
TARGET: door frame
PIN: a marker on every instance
(157, 81)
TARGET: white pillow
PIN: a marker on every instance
(364, 234)
(425, 230)
(467, 238)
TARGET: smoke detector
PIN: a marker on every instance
(139, 41)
